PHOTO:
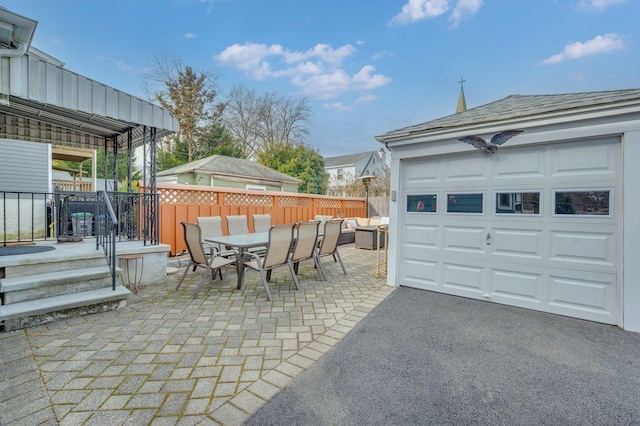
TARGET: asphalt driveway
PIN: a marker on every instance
(426, 358)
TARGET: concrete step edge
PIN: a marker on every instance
(25, 282)
(59, 303)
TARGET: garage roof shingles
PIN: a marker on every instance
(515, 106)
(230, 166)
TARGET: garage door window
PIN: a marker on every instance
(425, 203)
(518, 202)
(464, 203)
(582, 203)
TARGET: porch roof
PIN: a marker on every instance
(41, 101)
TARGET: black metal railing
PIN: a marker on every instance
(65, 215)
(106, 231)
(110, 217)
(27, 216)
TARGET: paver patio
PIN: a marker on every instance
(167, 358)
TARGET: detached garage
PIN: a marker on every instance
(548, 221)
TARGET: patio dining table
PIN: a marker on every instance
(241, 242)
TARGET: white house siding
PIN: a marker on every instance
(630, 230)
(25, 168)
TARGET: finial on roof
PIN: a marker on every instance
(462, 103)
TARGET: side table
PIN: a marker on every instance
(369, 238)
(129, 263)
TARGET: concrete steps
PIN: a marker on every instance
(36, 312)
(36, 291)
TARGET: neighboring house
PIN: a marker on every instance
(548, 222)
(344, 170)
(229, 172)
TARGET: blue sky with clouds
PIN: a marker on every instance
(366, 67)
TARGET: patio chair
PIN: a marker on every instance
(211, 226)
(237, 225)
(329, 244)
(305, 246)
(199, 258)
(277, 255)
(261, 222)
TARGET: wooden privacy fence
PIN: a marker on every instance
(186, 202)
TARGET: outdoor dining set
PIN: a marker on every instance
(266, 248)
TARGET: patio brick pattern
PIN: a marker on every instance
(167, 358)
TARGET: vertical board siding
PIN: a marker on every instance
(183, 203)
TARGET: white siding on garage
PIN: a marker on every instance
(24, 166)
(560, 263)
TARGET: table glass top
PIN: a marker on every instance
(242, 240)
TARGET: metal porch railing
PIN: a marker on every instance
(65, 216)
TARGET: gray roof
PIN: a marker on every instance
(231, 167)
(346, 160)
(518, 106)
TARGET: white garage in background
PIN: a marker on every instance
(550, 221)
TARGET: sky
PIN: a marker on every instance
(366, 67)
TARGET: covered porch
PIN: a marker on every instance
(43, 105)
(73, 116)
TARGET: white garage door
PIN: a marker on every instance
(532, 227)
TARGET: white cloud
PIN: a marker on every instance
(365, 80)
(599, 4)
(323, 86)
(189, 36)
(337, 106)
(464, 9)
(418, 10)
(365, 99)
(323, 52)
(599, 44)
(250, 57)
(382, 54)
(316, 72)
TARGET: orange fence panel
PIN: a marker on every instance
(186, 202)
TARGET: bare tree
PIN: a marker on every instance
(241, 119)
(188, 94)
(381, 186)
(260, 122)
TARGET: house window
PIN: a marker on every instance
(256, 187)
(518, 202)
(464, 203)
(425, 203)
(582, 203)
(340, 174)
